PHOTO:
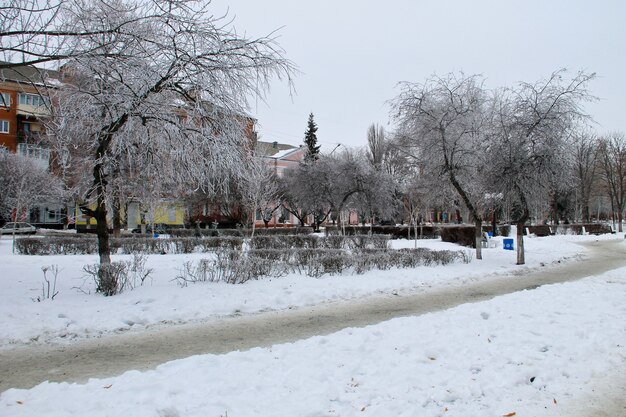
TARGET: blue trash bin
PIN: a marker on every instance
(508, 244)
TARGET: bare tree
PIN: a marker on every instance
(585, 155)
(376, 145)
(260, 190)
(613, 161)
(23, 183)
(444, 121)
(36, 31)
(323, 187)
(375, 189)
(533, 124)
(171, 90)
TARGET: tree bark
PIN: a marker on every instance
(478, 222)
(104, 248)
(472, 209)
(520, 223)
(117, 215)
(520, 243)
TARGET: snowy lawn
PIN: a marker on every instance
(77, 312)
(529, 354)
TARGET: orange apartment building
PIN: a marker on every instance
(23, 105)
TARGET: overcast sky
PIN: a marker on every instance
(352, 54)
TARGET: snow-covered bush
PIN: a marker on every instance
(268, 242)
(278, 255)
(108, 277)
(334, 241)
(235, 267)
(331, 264)
(116, 277)
(56, 245)
(360, 242)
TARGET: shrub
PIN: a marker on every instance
(539, 230)
(395, 232)
(598, 228)
(331, 263)
(462, 235)
(267, 242)
(56, 245)
(277, 255)
(89, 245)
(303, 241)
(107, 277)
(116, 277)
(284, 241)
(334, 242)
(357, 242)
(280, 231)
(577, 229)
(222, 242)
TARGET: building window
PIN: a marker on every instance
(4, 126)
(32, 100)
(5, 100)
(32, 151)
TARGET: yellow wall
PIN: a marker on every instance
(167, 213)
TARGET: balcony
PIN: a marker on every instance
(33, 105)
(38, 154)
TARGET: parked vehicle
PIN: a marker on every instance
(18, 229)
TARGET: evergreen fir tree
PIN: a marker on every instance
(310, 140)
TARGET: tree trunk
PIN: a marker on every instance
(555, 209)
(611, 196)
(521, 222)
(586, 216)
(478, 223)
(520, 243)
(117, 216)
(102, 231)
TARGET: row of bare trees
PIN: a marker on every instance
(525, 147)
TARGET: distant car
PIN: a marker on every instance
(18, 229)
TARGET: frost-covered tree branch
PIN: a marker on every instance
(445, 122)
(166, 95)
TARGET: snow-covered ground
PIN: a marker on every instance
(77, 312)
(532, 353)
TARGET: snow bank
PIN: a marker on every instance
(530, 353)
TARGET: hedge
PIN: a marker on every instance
(463, 235)
(89, 245)
(396, 232)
